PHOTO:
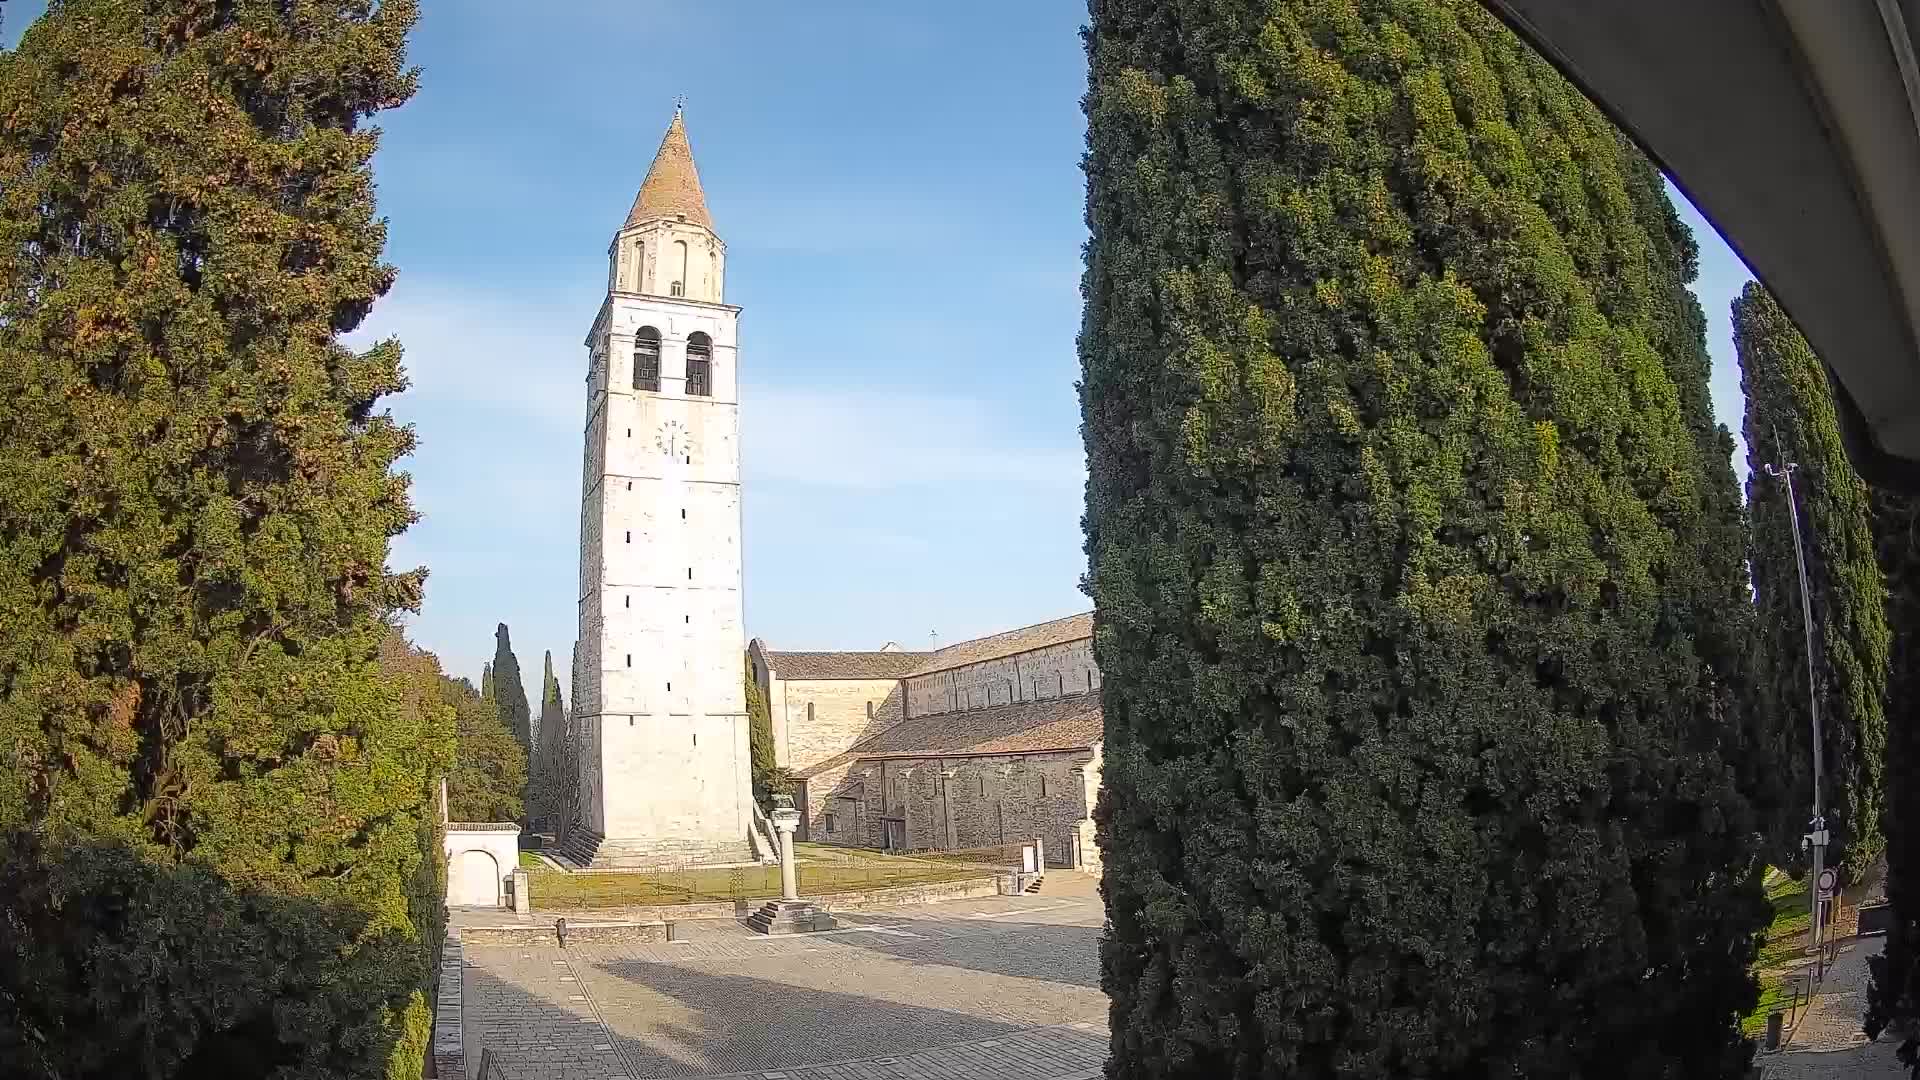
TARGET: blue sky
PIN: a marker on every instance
(899, 189)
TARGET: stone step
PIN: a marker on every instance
(789, 917)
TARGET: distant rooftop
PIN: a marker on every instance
(827, 666)
(1073, 722)
(1025, 639)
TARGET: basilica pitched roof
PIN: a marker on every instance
(1073, 722)
(672, 188)
(1025, 639)
(803, 666)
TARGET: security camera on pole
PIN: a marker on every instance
(1816, 839)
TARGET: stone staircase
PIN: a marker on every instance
(585, 849)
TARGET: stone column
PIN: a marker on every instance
(785, 820)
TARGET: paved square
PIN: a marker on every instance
(1000, 987)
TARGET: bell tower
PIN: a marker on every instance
(665, 776)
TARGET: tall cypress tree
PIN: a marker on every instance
(759, 737)
(1790, 417)
(198, 476)
(1896, 971)
(509, 692)
(544, 795)
(1715, 602)
(1397, 518)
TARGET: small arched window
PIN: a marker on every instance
(646, 359)
(699, 365)
(680, 257)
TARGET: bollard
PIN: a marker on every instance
(1776, 1020)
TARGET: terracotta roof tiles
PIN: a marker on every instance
(1025, 639)
(672, 188)
(1073, 722)
(827, 666)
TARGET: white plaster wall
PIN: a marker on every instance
(502, 844)
(1043, 673)
(661, 621)
(645, 261)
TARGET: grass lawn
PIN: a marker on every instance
(557, 890)
(1783, 944)
(530, 861)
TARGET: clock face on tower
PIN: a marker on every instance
(674, 440)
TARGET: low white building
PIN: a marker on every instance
(480, 857)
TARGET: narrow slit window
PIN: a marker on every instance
(628, 601)
(683, 513)
(689, 573)
(1043, 786)
(629, 536)
(699, 365)
(629, 659)
(646, 360)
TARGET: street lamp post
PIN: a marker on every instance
(1817, 828)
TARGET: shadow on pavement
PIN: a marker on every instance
(698, 1022)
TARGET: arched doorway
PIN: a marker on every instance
(473, 880)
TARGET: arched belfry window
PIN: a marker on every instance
(679, 287)
(646, 359)
(699, 364)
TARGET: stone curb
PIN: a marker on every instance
(449, 1041)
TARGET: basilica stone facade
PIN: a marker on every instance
(990, 741)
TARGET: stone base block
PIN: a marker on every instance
(790, 917)
(588, 850)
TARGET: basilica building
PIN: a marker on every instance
(986, 742)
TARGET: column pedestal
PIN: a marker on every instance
(789, 914)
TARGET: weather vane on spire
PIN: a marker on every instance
(679, 103)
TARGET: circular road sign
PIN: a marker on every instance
(1828, 880)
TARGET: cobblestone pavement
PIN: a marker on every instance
(1002, 987)
(1828, 1043)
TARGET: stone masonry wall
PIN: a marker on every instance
(961, 802)
(1066, 668)
(814, 720)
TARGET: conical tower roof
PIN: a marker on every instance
(672, 187)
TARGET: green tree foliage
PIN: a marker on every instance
(117, 965)
(199, 489)
(1896, 971)
(1401, 489)
(489, 777)
(546, 792)
(759, 738)
(570, 757)
(1711, 594)
(508, 691)
(1790, 417)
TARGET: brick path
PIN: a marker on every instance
(996, 988)
(1828, 1044)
